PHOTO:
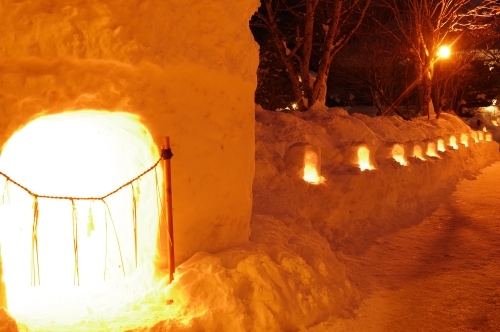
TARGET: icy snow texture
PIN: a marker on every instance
(187, 67)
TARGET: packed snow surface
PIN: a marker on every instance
(441, 274)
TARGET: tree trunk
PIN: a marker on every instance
(319, 89)
(292, 73)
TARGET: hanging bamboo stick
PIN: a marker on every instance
(166, 156)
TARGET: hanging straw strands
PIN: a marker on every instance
(35, 266)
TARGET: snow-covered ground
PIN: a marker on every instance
(439, 275)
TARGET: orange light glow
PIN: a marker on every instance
(418, 153)
(364, 159)
(440, 145)
(484, 129)
(474, 136)
(311, 168)
(480, 136)
(488, 137)
(494, 122)
(444, 52)
(432, 150)
(78, 154)
(453, 142)
(464, 139)
(398, 153)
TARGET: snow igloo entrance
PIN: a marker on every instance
(67, 259)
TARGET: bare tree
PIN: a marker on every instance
(422, 26)
(308, 34)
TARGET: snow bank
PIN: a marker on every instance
(352, 206)
(291, 275)
(186, 67)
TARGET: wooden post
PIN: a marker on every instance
(3, 295)
(166, 156)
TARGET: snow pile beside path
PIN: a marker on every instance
(352, 207)
(288, 278)
(291, 274)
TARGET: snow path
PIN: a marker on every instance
(440, 275)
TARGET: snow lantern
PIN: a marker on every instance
(431, 148)
(359, 155)
(452, 141)
(475, 136)
(304, 160)
(416, 149)
(440, 144)
(464, 140)
(364, 159)
(77, 215)
(393, 150)
(107, 65)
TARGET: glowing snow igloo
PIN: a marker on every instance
(360, 155)
(416, 149)
(190, 79)
(304, 160)
(396, 151)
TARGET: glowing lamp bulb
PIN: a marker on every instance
(444, 52)
(311, 168)
(484, 129)
(440, 145)
(364, 159)
(464, 139)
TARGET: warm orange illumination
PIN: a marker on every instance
(474, 136)
(484, 129)
(311, 168)
(364, 159)
(444, 52)
(418, 153)
(453, 142)
(398, 153)
(488, 137)
(464, 139)
(440, 145)
(494, 122)
(432, 150)
(480, 136)
(78, 154)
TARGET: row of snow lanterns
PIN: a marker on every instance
(431, 147)
(311, 170)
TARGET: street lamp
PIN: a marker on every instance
(444, 52)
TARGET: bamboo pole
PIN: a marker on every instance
(166, 156)
(3, 295)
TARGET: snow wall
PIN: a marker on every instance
(186, 67)
(352, 206)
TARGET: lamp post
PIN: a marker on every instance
(442, 53)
